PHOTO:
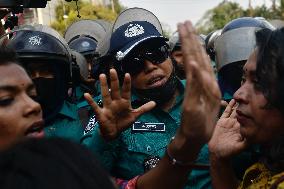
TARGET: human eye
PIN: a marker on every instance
(256, 84)
(6, 101)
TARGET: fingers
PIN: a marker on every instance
(92, 103)
(234, 112)
(126, 88)
(194, 84)
(224, 104)
(229, 109)
(114, 83)
(196, 62)
(144, 108)
(105, 90)
(199, 52)
(191, 47)
(187, 50)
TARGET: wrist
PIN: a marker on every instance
(216, 159)
(183, 149)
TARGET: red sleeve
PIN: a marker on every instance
(127, 184)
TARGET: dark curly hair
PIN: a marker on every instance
(270, 66)
(8, 56)
(51, 163)
(270, 76)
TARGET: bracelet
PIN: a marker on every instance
(174, 161)
(191, 164)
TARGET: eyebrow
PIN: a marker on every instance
(15, 88)
(251, 73)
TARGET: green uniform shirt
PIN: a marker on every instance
(67, 124)
(80, 90)
(124, 156)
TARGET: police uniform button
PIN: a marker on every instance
(149, 148)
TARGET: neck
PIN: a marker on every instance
(168, 105)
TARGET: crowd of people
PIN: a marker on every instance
(119, 105)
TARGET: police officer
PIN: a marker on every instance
(139, 49)
(176, 53)
(232, 48)
(83, 37)
(48, 61)
(209, 46)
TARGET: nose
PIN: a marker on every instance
(241, 95)
(149, 66)
(32, 108)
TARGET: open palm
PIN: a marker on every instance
(117, 114)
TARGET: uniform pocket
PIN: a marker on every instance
(148, 143)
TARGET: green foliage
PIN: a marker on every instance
(226, 11)
(217, 17)
(86, 10)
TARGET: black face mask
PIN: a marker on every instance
(46, 90)
(160, 94)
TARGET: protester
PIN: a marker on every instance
(255, 116)
(48, 62)
(51, 163)
(20, 114)
(233, 46)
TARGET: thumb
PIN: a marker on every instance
(144, 108)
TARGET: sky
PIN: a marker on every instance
(173, 11)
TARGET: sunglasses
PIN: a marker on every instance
(135, 62)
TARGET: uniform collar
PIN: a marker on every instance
(69, 110)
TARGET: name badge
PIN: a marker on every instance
(148, 127)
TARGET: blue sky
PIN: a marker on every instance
(174, 11)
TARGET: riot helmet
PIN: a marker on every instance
(84, 45)
(82, 36)
(48, 62)
(237, 36)
(81, 77)
(232, 48)
(176, 55)
(174, 42)
(137, 14)
(210, 42)
(106, 24)
(102, 61)
(82, 64)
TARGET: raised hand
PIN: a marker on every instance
(227, 140)
(202, 95)
(117, 114)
